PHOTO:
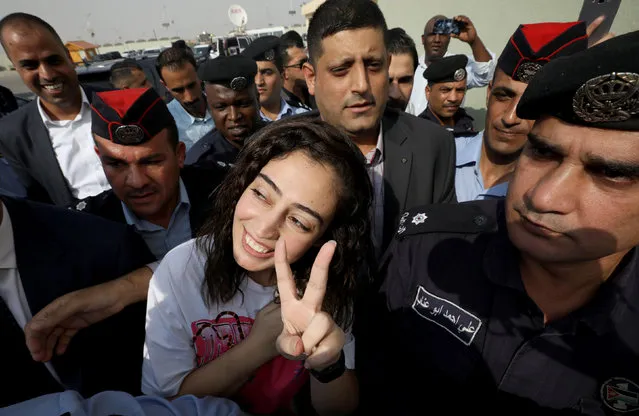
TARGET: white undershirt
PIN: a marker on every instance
(11, 289)
(74, 148)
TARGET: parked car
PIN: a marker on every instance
(150, 53)
(97, 75)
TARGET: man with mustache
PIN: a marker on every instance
(541, 314)
(445, 91)
(486, 160)
(401, 72)
(480, 67)
(177, 69)
(48, 142)
(234, 104)
(410, 160)
(164, 202)
(137, 141)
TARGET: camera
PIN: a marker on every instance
(448, 26)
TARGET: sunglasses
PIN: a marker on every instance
(298, 65)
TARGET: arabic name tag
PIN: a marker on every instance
(462, 324)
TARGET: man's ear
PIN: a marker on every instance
(428, 91)
(309, 75)
(180, 151)
(488, 92)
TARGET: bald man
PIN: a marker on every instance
(48, 142)
(480, 67)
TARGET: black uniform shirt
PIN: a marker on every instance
(463, 122)
(462, 335)
(212, 148)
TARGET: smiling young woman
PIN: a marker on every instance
(264, 297)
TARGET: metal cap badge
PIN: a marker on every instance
(526, 71)
(129, 134)
(238, 83)
(460, 74)
(612, 97)
(129, 117)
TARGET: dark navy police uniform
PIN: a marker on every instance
(466, 337)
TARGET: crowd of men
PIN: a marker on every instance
(507, 277)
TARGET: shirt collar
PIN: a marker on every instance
(189, 116)
(140, 224)
(471, 152)
(285, 110)
(378, 153)
(7, 247)
(47, 120)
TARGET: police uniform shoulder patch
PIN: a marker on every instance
(466, 218)
(620, 395)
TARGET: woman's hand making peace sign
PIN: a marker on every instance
(308, 331)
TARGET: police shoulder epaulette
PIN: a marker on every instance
(465, 218)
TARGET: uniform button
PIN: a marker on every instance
(480, 220)
(206, 146)
(404, 160)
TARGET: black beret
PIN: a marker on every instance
(448, 69)
(129, 117)
(534, 45)
(265, 48)
(598, 87)
(235, 72)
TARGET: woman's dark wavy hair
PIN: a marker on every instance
(350, 227)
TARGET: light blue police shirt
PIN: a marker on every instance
(469, 184)
(190, 129)
(161, 240)
(285, 110)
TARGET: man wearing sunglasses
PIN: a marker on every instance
(294, 56)
(265, 51)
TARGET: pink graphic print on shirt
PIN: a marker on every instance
(273, 385)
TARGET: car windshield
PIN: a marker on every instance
(200, 51)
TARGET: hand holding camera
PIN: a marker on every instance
(460, 27)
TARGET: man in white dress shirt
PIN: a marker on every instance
(480, 67)
(48, 142)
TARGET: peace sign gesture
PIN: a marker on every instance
(307, 331)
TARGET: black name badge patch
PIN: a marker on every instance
(462, 324)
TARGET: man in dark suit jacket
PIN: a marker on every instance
(411, 161)
(9, 183)
(47, 252)
(48, 142)
(137, 141)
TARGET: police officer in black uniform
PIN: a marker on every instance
(529, 305)
(445, 92)
(233, 100)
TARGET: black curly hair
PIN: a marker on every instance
(350, 227)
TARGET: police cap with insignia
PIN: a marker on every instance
(448, 69)
(534, 45)
(130, 116)
(235, 72)
(598, 87)
(266, 48)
